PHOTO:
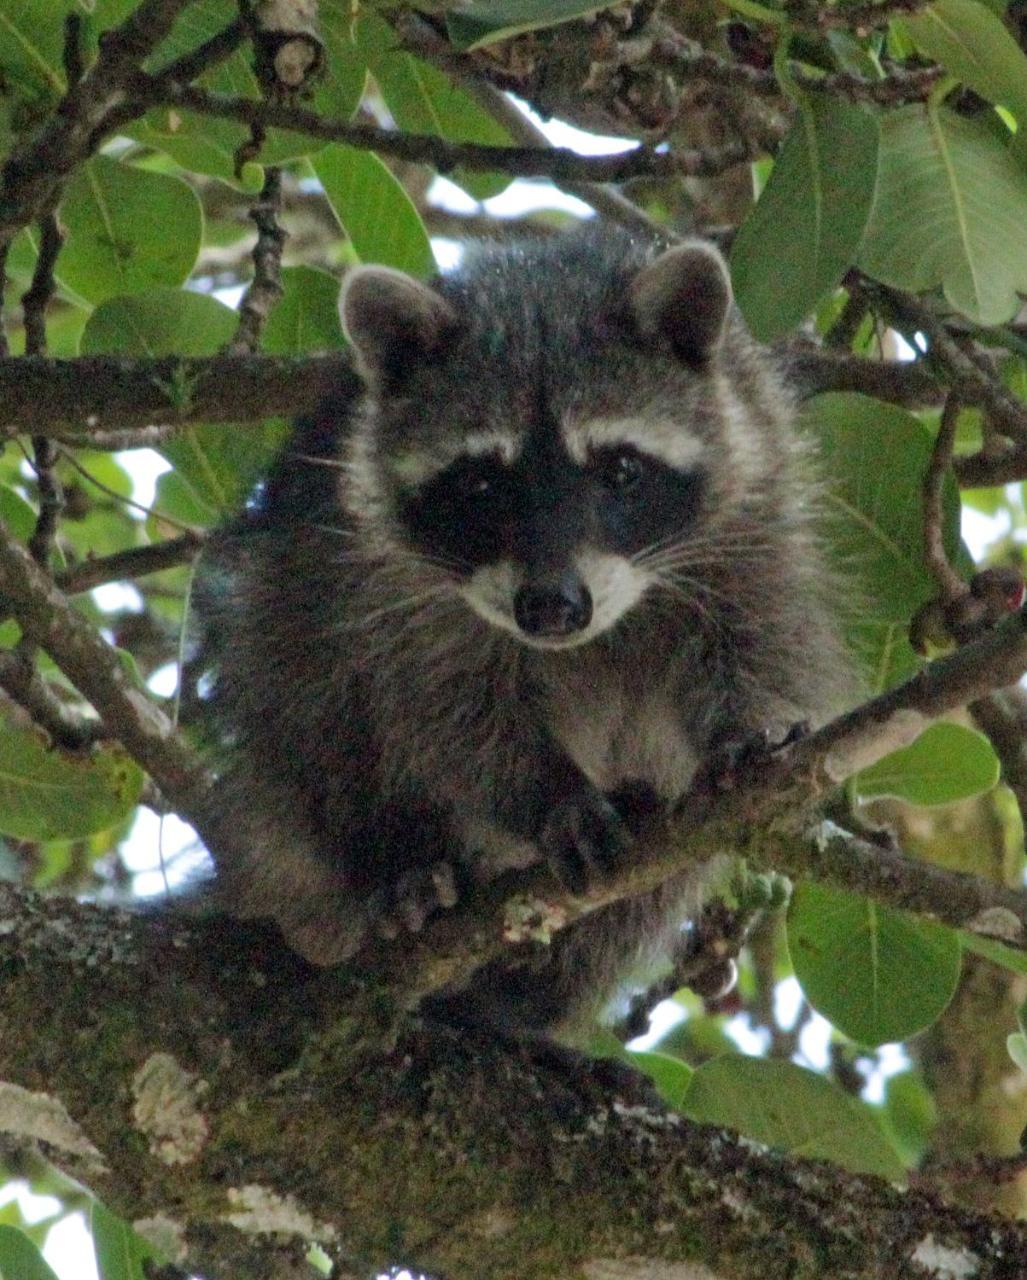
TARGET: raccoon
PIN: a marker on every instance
(553, 545)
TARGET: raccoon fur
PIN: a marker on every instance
(554, 543)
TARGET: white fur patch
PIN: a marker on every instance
(614, 583)
(667, 441)
(415, 469)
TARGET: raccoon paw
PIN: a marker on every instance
(583, 839)
(417, 895)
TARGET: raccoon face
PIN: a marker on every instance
(542, 489)
(547, 546)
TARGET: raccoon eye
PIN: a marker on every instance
(622, 472)
(473, 481)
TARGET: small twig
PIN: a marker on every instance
(5, 346)
(951, 586)
(980, 1168)
(34, 303)
(120, 498)
(852, 17)
(74, 67)
(813, 370)
(133, 563)
(559, 163)
(985, 469)
(207, 55)
(969, 376)
(842, 333)
(1002, 717)
(689, 59)
(421, 38)
(22, 683)
(266, 286)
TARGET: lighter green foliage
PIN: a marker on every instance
(951, 209)
(810, 217)
(878, 975)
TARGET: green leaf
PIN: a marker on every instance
(422, 99)
(878, 975)
(306, 317)
(480, 22)
(20, 1259)
(127, 230)
(974, 45)
(670, 1075)
(374, 210)
(119, 1251)
(18, 515)
(49, 795)
(160, 322)
(951, 207)
(809, 220)
(32, 45)
(947, 762)
(910, 1115)
(874, 457)
(793, 1109)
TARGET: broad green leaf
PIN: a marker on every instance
(49, 795)
(809, 221)
(127, 230)
(974, 45)
(217, 464)
(951, 208)
(32, 45)
(20, 1259)
(878, 975)
(910, 1115)
(670, 1075)
(17, 514)
(119, 1251)
(207, 145)
(873, 457)
(793, 1109)
(422, 99)
(158, 323)
(480, 22)
(947, 762)
(374, 210)
(306, 317)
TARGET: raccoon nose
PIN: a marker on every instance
(556, 607)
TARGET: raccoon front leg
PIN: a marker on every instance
(575, 827)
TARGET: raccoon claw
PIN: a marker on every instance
(418, 895)
(583, 840)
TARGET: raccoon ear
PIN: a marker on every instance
(684, 296)
(390, 319)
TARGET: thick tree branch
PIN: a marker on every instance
(277, 1109)
(93, 398)
(95, 395)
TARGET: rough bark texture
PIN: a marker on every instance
(205, 1077)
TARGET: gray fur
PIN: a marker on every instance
(373, 725)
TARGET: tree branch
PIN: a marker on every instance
(558, 163)
(35, 171)
(95, 395)
(232, 1056)
(136, 562)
